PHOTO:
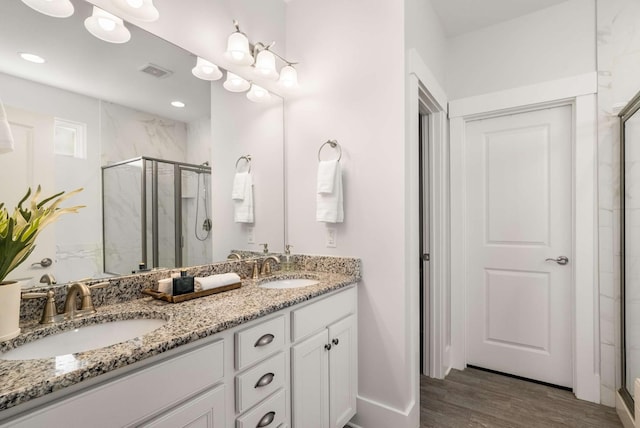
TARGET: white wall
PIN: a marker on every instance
(424, 32)
(351, 72)
(546, 45)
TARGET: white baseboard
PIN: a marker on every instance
(372, 414)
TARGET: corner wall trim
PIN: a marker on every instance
(374, 414)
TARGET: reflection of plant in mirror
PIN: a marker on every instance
(18, 231)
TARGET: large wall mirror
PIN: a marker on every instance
(95, 108)
(630, 247)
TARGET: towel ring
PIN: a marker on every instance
(333, 144)
(246, 158)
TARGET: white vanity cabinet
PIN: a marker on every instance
(205, 411)
(324, 363)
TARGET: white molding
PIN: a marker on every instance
(567, 88)
(417, 66)
(577, 92)
(372, 413)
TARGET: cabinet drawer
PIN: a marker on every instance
(269, 413)
(259, 382)
(319, 315)
(259, 341)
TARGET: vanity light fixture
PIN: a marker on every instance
(206, 70)
(37, 59)
(242, 52)
(107, 26)
(178, 104)
(55, 8)
(235, 83)
(238, 51)
(258, 94)
(142, 10)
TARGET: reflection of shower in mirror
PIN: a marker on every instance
(206, 223)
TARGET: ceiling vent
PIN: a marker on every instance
(156, 71)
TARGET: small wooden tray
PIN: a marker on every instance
(188, 296)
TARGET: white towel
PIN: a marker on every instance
(243, 208)
(329, 207)
(215, 281)
(6, 137)
(327, 175)
(239, 185)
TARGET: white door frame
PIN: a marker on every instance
(425, 95)
(579, 92)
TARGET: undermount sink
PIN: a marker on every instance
(289, 283)
(83, 339)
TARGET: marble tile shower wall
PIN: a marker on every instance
(618, 48)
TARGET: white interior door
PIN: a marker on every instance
(29, 165)
(518, 216)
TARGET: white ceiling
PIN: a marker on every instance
(463, 16)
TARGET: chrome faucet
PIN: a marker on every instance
(266, 265)
(74, 290)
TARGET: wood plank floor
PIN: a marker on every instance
(476, 398)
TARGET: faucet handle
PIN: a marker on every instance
(254, 269)
(287, 249)
(265, 248)
(49, 311)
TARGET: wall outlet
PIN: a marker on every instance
(251, 236)
(332, 237)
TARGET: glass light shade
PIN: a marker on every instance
(142, 10)
(238, 49)
(107, 27)
(258, 94)
(235, 83)
(206, 70)
(288, 77)
(55, 8)
(266, 65)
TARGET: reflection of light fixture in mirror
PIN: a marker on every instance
(265, 65)
(235, 83)
(107, 27)
(142, 10)
(32, 57)
(178, 104)
(288, 77)
(238, 47)
(55, 8)
(206, 70)
(258, 94)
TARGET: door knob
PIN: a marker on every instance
(562, 260)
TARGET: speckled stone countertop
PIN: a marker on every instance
(24, 380)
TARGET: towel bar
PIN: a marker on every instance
(334, 144)
(246, 158)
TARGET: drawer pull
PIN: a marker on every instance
(264, 340)
(335, 341)
(266, 419)
(327, 347)
(265, 380)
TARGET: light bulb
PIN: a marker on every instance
(258, 94)
(106, 24)
(235, 83)
(135, 3)
(288, 77)
(266, 64)
(141, 10)
(238, 49)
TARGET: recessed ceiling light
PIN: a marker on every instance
(178, 104)
(31, 57)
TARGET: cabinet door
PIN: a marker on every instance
(343, 371)
(310, 382)
(204, 411)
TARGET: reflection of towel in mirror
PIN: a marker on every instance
(215, 281)
(329, 207)
(239, 185)
(243, 208)
(6, 138)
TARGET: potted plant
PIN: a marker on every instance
(18, 233)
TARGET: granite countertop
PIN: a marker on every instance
(24, 380)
